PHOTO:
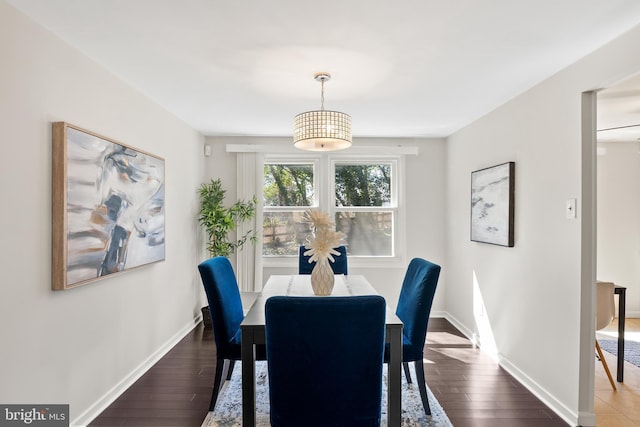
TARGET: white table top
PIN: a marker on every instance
(300, 285)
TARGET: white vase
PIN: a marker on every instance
(322, 278)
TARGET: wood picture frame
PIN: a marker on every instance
(107, 207)
(492, 204)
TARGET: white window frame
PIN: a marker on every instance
(296, 161)
(324, 198)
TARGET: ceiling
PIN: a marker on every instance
(407, 68)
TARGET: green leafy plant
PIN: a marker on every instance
(219, 221)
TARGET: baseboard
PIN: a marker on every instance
(462, 328)
(554, 404)
(438, 314)
(586, 419)
(560, 409)
(101, 404)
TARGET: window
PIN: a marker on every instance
(361, 195)
(289, 189)
(364, 207)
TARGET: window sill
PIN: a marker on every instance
(355, 263)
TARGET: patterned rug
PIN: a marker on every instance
(631, 349)
(228, 412)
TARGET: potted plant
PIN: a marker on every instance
(219, 221)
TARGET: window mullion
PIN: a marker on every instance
(325, 186)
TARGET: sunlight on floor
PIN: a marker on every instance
(446, 338)
(462, 354)
(628, 335)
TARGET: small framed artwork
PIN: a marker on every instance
(492, 204)
(107, 207)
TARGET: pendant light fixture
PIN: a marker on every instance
(322, 130)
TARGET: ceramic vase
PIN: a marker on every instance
(322, 278)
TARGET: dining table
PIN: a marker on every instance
(253, 334)
(621, 291)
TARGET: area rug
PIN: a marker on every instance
(631, 350)
(228, 412)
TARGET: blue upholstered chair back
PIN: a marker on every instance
(325, 357)
(414, 305)
(225, 304)
(338, 267)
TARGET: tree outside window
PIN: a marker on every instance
(360, 195)
(288, 191)
(364, 211)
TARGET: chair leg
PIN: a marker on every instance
(422, 386)
(605, 366)
(217, 382)
(407, 373)
(231, 365)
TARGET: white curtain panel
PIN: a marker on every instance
(250, 183)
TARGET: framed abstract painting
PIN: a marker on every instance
(108, 207)
(492, 204)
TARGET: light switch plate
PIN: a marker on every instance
(571, 209)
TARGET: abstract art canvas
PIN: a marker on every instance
(492, 204)
(108, 207)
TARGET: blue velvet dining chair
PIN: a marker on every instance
(325, 359)
(414, 308)
(339, 266)
(225, 308)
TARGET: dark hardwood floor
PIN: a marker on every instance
(176, 391)
(472, 388)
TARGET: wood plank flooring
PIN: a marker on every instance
(175, 392)
(619, 408)
(472, 388)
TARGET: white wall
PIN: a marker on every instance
(424, 203)
(74, 346)
(619, 218)
(532, 292)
